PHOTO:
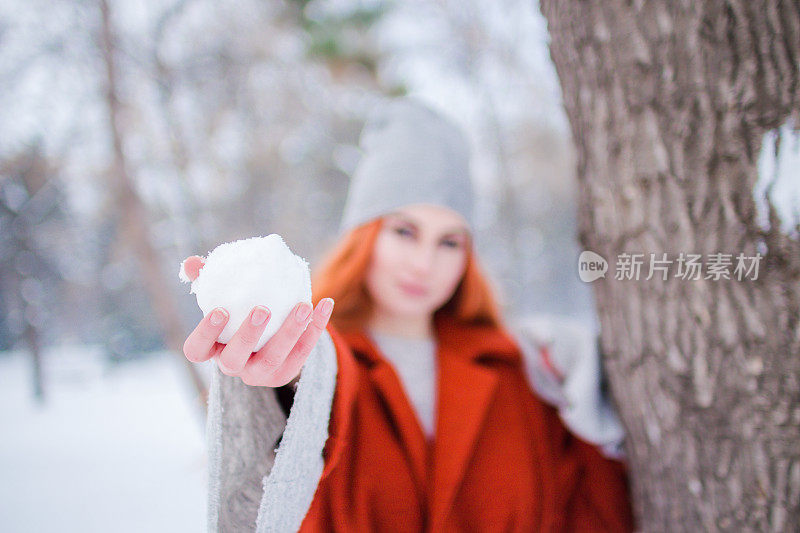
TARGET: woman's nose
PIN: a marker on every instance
(421, 259)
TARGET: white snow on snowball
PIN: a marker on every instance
(240, 275)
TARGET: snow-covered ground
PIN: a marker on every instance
(115, 448)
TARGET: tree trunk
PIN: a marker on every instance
(35, 346)
(668, 104)
(134, 223)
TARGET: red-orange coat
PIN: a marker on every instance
(501, 459)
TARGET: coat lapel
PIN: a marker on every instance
(465, 390)
(401, 414)
(404, 419)
(467, 387)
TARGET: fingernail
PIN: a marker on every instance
(327, 305)
(259, 316)
(302, 312)
(218, 316)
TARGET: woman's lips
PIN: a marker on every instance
(413, 290)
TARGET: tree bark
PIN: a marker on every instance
(668, 103)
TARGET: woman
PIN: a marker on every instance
(412, 411)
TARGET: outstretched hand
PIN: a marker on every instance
(281, 358)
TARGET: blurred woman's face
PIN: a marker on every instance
(418, 260)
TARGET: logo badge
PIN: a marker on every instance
(591, 266)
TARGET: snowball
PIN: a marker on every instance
(242, 274)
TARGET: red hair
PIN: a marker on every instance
(342, 272)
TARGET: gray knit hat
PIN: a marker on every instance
(411, 154)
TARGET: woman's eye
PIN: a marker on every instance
(451, 244)
(403, 231)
